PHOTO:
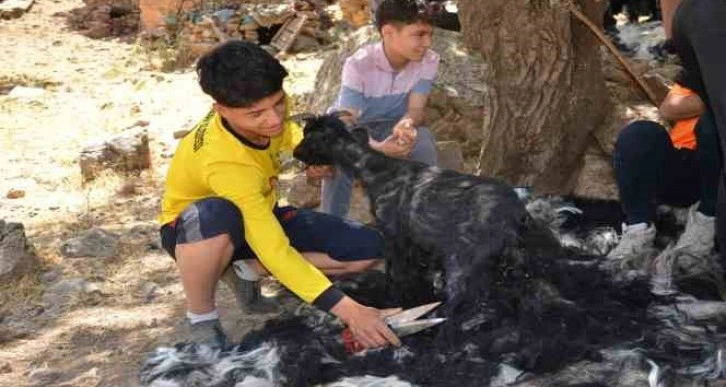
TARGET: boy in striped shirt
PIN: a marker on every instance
(385, 87)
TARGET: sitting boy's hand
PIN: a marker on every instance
(405, 132)
(319, 171)
(393, 147)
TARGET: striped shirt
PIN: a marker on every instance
(373, 88)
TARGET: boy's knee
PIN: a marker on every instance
(641, 136)
(641, 131)
(210, 218)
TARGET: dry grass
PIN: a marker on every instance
(21, 291)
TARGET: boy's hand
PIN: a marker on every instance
(405, 132)
(366, 324)
(391, 146)
(319, 171)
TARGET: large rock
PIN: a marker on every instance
(450, 156)
(455, 106)
(16, 254)
(304, 192)
(126, 152)
(596, 178)
(93, 243)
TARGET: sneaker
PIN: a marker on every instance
(247, 293)
(207, 333)
(698, 237)
(636, 240)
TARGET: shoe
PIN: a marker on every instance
(247, 293)
(636, 240)
(699, 235)
(207, 333)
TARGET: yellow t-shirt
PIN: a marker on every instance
(211, 162)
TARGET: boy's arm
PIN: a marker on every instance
(418, 97)
(679, 105)
(264, 234)
(351, 97)
(417, 108)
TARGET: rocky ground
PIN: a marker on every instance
(102, 293)
(89, 321)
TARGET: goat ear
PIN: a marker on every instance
(360, 135)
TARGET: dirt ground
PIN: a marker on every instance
(91, 89)
(86, 90)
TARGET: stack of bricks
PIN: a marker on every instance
(202, 29)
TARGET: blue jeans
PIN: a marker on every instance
(337, 190)
(650, 170)
(308, 231)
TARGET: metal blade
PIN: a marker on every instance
(411, 314)
(408, 328)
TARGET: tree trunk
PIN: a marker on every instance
(546, 91)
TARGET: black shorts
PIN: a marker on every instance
(308, 231)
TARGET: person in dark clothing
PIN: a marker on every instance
(699, 36)
(679, 167)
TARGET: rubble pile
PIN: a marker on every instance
(294, 26)
(104, 18)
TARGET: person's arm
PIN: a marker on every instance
(351, 98)
(678, 106)
(417, 108)
(405, 130)
(243, 185)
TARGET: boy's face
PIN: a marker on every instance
(411, 41)
(263, 119)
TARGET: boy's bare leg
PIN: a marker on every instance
(201, 265)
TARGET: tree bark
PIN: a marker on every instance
(546, 91)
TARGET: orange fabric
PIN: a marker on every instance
(683, 133)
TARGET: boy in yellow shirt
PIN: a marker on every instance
(219, 209)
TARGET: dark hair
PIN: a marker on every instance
(238, 73)
(404, 12)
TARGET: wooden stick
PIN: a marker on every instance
(604, 40)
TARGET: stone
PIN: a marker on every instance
(44, 376)
(148, 291)
(27, 93)
(93, 243)
(10, 9)
(450, 156)
(304, 192)
(16, 254)
(15, 194)
(65, 292)
(50, 277)
(127, 152)
(596, 179)
(140, 234)
(6, 368)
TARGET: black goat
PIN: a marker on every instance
(521, 308)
